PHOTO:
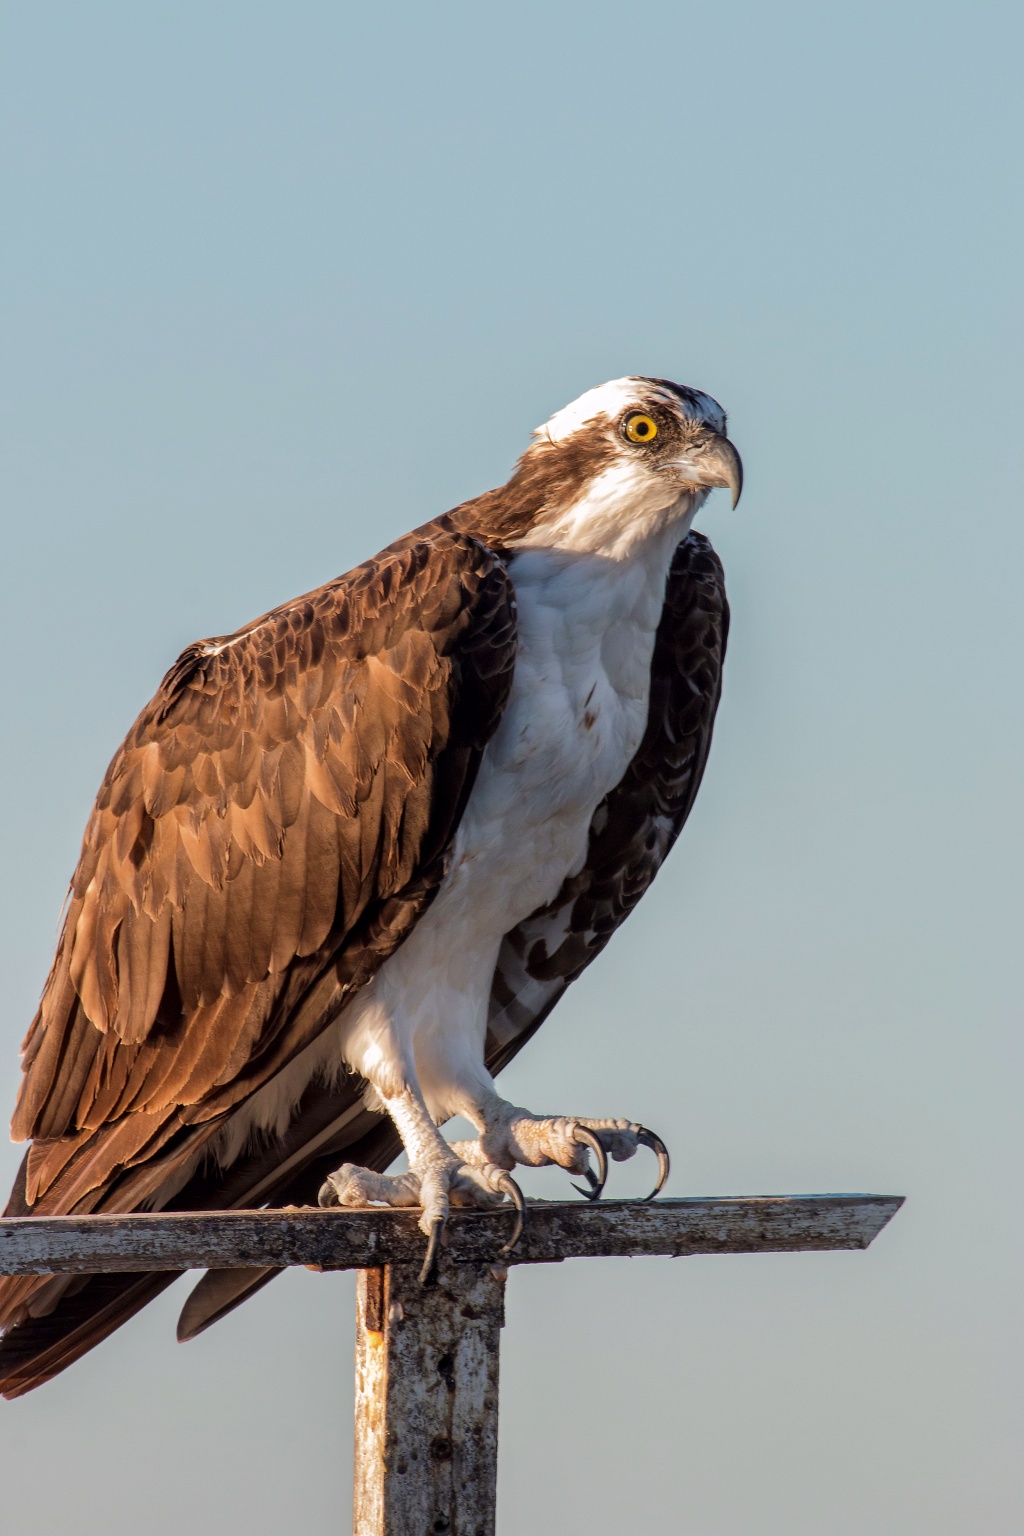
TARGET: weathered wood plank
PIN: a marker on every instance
(426, 1422)
(346, 1239)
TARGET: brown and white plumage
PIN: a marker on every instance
(280, 819)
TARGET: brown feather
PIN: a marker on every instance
(321, 758)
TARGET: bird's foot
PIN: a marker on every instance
(442, 1181)
(536, 1141)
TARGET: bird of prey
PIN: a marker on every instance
(348, 859)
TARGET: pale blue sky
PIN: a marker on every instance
(281, 281)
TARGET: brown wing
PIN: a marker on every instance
(637, 823)
(271, 828)
(630, 837)
(632, 832)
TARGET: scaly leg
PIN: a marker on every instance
(438, 1177)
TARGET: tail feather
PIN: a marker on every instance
(220, 1291)
(38, 1349)
(289, 1171)
(51, 1321)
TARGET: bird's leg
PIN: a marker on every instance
(438, 1176)
(510, 1135)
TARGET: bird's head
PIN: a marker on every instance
(619, 464)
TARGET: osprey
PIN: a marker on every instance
(348, 859)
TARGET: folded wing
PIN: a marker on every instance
(630, 837)
(270, 830)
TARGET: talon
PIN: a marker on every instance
(592, 1180)
(429, 1270)
(329, 1192)
(586, 1138)
(508, 1186)
(646, 1138)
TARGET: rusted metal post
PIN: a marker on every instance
(426, 1443)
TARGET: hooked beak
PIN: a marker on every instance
(715, 462)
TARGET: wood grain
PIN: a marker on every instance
(347, 1239)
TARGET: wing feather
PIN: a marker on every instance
(393, 815)
(283, 785)
(631, 834)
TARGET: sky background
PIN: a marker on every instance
(279, 282)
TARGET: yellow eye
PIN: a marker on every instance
(640, 428)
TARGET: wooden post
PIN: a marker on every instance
(364, 1239)
(427, 1359)
(426, 1452)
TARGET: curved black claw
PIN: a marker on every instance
(428, 1272)
(586, 1138)
(508, 1186)
(646, 1138)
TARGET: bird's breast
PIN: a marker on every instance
(574, 720)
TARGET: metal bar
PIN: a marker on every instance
(350, 1239)
(426, 1421)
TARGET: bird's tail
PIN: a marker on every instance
(50, 1321)
(40, 1347)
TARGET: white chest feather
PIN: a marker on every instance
(574, 720)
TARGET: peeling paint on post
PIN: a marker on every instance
(371, 1402)
(426, 1454)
